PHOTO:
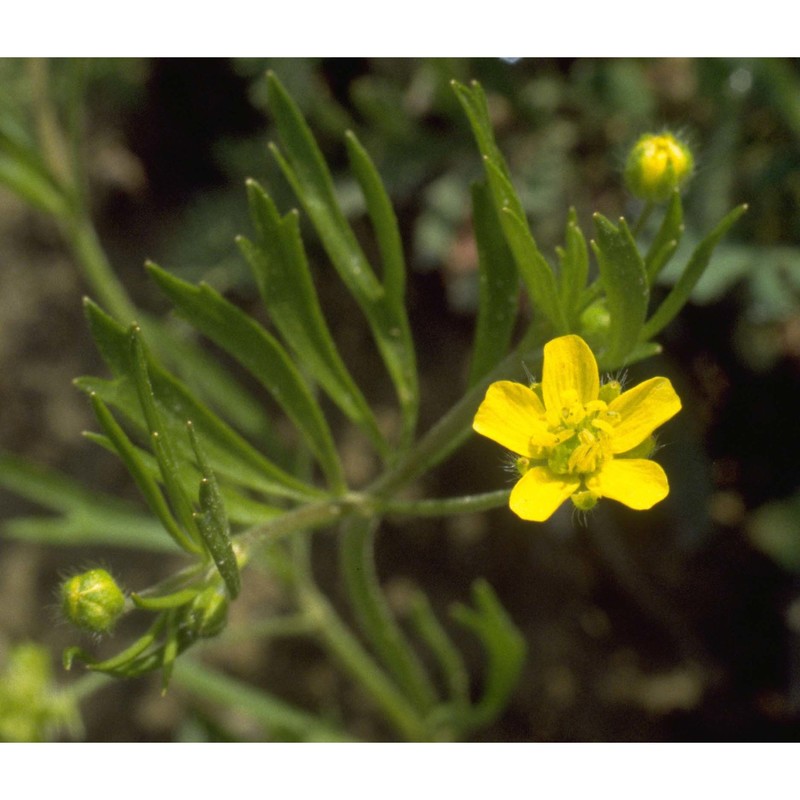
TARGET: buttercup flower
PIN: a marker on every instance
(576, 438)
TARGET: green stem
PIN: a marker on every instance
(62, 157)
(51, 141)
(643, 218)
(357, 560)
(304, 518)
(441, 507)
(91, 258)
(349, 652)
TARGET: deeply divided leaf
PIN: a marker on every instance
(679, 295)
(261, 354)
(305, 169)
(282, 274)
(383, 218)
(574, 268)
(231, 456)
(531, 264)
(626, 288)
(498, 288)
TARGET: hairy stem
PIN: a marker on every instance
(446, 506)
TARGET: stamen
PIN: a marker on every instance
(602, 425)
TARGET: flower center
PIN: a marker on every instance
(580, 435)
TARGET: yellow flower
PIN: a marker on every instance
(576, 438)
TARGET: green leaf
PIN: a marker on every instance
(143, 478)
(499, 286)
(574, 268)
(504, 645)
(534, 269)
(383, 218)
(211, 381)
(642, 352)
(213, 521)
(242, 509)
(259, 352)
(307, 172)
(162, 602)
(473, 101)
(305, 169)
(532, 265)
(97, 529)
(666, 239)
(230, 455)
(430, 630)
(375, 617)
(118, 662)
(162, 439)
(171, 650)
(679, 295)
(503, 191)
(282, 274)
(86, 518)
(625, 284)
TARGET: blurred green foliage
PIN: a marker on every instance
(32, 709)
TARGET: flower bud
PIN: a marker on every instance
(92, 600)
(657, 165)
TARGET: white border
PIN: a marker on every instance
(524, 28)
(397, 772)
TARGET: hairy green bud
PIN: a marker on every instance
(92, 600)
(657, 165)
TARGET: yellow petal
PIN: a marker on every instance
(636, 482)
(641, 410)
(539, 493)
(569, 374)
(509, 414)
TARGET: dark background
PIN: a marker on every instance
(673, 625)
